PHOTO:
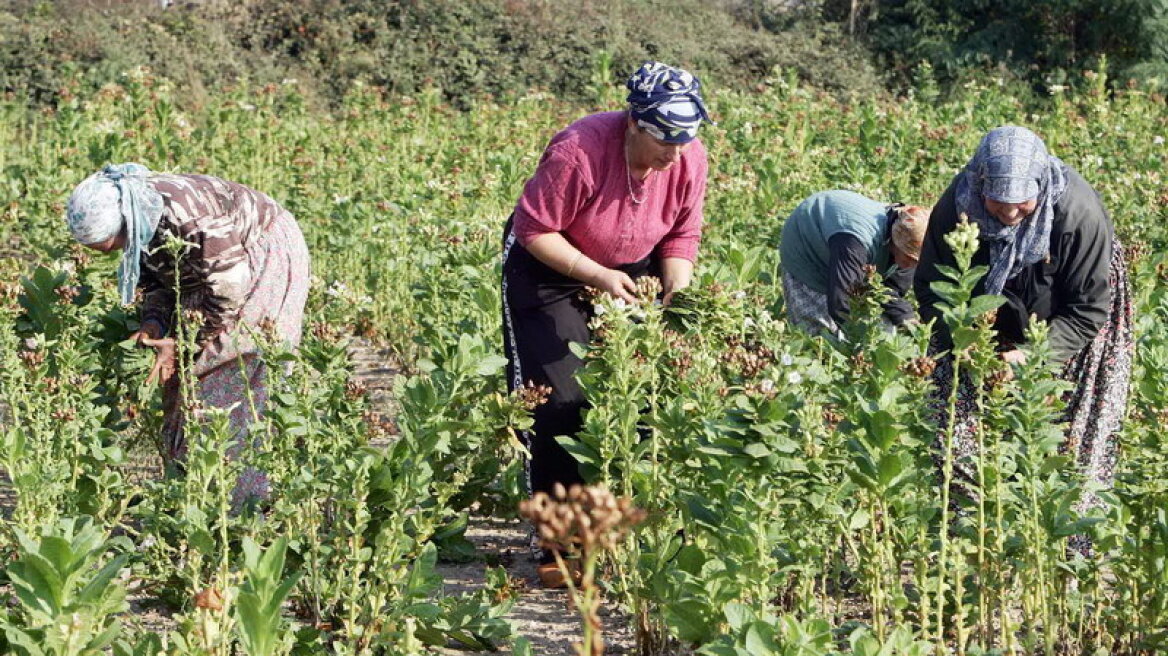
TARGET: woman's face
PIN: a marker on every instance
(1010, 214)
(648, 152)
(902, 259)
(113, 243)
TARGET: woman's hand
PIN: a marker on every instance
(1014, 356)
(164, 359)
(148, 330)
(617, 283)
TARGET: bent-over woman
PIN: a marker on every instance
(245, 264)
(613, 193)
(829, 241)
(1051, 251)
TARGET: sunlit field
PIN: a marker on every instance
(792, 487)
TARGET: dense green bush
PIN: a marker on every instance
(466, 48)
(1046, 42)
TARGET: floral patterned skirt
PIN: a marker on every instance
(807, 308)
(230, 374)
(1095, 407)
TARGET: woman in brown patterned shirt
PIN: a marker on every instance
(242, 264)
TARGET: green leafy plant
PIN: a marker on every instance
(259, 603)
(65, 583)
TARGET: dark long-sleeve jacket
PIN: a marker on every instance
(848, 258)
(1069, 290)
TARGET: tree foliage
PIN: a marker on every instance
(1043, 41)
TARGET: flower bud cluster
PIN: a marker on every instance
(963, 238)
(9, 290)
(531, 396)
(581, 517)
(209, 598)
(832, 416)
(860, 363)
(270, 329)
(920, 367)
(68, 293)
(324, 331)
(355, 390)
(648, 287)
(1137, 249)
(748, 359)
(380, 425)
(32, 359)
(870, 281)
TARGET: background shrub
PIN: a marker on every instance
(466, 48)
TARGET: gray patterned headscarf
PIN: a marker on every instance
(117, 197)
(1012, 165)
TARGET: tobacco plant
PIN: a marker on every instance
(68, 596)
(793, 501)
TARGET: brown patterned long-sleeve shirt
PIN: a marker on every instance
(219, 221)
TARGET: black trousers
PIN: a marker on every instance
(543, 312)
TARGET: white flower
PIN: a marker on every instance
(339, 199)
(794, 377)
(1158, 140)
(738, 295)
(247, 107)
(748, 323)
(598, 309)
(766, 385)
(106, 127)
(620, 304)
(787, 360)
(337, 289)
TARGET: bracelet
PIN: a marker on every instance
(575, 260)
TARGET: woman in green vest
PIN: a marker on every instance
(828, 242)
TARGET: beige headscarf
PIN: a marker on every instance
(908, 231)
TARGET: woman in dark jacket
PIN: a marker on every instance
(1052, 253)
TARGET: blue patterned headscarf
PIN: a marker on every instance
(117, 197)
(1012, 165)
(667, 102)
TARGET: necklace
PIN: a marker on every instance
(629, 179)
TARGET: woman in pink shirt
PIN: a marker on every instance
(617, 195)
